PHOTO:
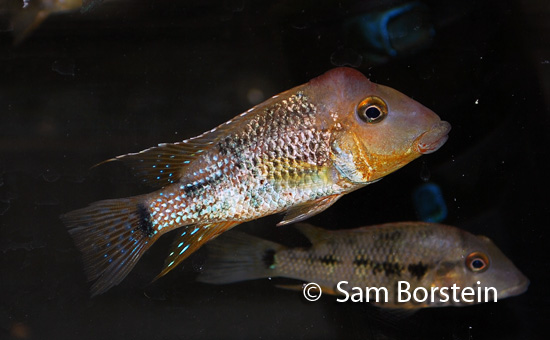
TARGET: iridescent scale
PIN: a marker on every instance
(273, 160)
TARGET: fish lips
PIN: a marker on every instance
(431, 140)
(517, 289)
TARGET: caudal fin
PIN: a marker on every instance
(112, 236)
(236, 256)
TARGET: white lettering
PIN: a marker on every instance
(399, 291)
(422, 289)
(470, 292)
(338, 287)
(377, 293)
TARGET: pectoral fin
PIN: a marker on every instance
(306, 210)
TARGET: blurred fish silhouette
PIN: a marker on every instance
(298, 153)
(29, 15)
(423, 254)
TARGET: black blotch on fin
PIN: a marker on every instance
(112, 237)
(145, 224)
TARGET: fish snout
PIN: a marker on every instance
(520, 287)
(431, 140)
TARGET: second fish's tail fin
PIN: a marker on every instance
(236, 256)
(112, 236)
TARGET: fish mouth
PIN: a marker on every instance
(515, 290)
(431, 140)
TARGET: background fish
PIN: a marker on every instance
(298, 153)
(423, 254)
(29, 15)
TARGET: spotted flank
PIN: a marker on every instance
(297, 154)
(423, 254)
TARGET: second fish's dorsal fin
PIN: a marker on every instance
(314, 234)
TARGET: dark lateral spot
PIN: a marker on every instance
(360, 261)
(269, 258)
(417, 270)
(144, 224)
(212, 180)
(388, 268)
(329, 260)
(391, 269)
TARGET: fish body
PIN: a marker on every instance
(422, 254)
(297, 153)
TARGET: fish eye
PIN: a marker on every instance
(477, 262)
(372, 110)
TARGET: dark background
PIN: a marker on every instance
(128, 75)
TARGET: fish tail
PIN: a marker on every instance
(112, 236)
(236, 256)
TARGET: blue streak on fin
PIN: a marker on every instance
(165, 164)
(191, 238)
(161, 165)
(112, 236)
(236, 256)
(177, 156)
(301, 212)
(88, 5)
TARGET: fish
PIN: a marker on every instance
(419, 254)
(296, 153)
(31, 14)
(28, 17)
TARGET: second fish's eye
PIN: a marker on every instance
(372, 110)
(477, 262)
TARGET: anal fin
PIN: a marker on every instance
(306, 210)
(191, 239)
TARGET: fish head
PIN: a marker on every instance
(481, 265)
(376, 129)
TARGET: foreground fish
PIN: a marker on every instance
(421, 254)
(297, 152)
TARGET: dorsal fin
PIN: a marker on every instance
(314, 234)
(165, 164)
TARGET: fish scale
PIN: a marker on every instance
(264, 180)
(296, 153)
(422, 254)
